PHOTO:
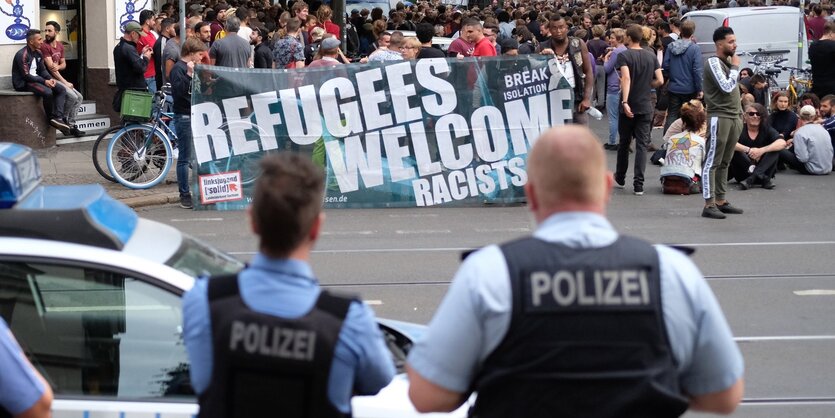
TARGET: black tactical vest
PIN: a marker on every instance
(586, 337)
(269, 366)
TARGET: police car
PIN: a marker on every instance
(92, 293)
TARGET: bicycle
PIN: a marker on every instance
(800, 81)
(100, 152)
(140, 155)
(769, 70)
(247, 164)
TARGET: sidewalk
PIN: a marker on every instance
(73, 164)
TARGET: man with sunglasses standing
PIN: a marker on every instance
(721, 94)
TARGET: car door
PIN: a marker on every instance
(108, 340)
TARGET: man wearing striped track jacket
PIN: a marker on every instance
(721, 93)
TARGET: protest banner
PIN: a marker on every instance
(395, 134)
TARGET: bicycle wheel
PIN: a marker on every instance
(100, 152)
(139, 157)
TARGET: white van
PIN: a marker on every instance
(778, 31)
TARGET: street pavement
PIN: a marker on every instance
(73, 164)
(772, 268)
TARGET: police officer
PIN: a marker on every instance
(23, 392)
(572, 321)
(269, 339)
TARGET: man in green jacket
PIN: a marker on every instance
(724, 110)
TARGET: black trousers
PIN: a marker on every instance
(53, 98)
(674, 109)
(788, 158)
(637, 127)
(764, 169)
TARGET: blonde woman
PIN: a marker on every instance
(410, 48)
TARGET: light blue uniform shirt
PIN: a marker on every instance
(288, 289)
(474, 316)
(20, 388)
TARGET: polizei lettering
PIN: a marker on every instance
(596, 288)
(287, 343)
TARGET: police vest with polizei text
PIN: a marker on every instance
(263, 364)
(586, 336)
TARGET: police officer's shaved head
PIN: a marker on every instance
(567, 171)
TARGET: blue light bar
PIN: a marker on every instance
(83, 214)
(20, 173)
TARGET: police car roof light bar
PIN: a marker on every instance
(83, 214)
(20, 173)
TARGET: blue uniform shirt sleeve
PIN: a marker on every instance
(479, 302)
(362, 363)
(469, 324)
(708, 358)
(197, 334)
(20, 387)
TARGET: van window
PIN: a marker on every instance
(705, 25)
(777, 29)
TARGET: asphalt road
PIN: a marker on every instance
(773, 268)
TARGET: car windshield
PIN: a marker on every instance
(198, 259)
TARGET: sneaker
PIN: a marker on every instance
(60, 125)
(639, 190)
(712, 212)
(185, 202)
(767, 184)
(76, 132)
(727, 208)
(610, 147)
(620, 184)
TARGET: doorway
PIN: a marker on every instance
(69, 14)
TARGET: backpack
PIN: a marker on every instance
(680, 185)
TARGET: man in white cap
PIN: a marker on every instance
(810, 150)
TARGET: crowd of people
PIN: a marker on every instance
(637, 60)
(772, 134)
(503, 319)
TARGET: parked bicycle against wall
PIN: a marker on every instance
(159, 118)
(139, 155)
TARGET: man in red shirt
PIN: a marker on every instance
(147, 40)
(53, 54)
(472, 32)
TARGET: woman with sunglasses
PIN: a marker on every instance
(758, 150)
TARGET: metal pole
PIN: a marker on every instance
(338, 8)
(800, 31)
(183, 17)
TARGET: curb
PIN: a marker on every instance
(151, 200)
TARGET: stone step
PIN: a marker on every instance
(92, 125)
(87, 108)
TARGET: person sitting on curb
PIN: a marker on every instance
(29, 74)
(810, 151)
(757, 152)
